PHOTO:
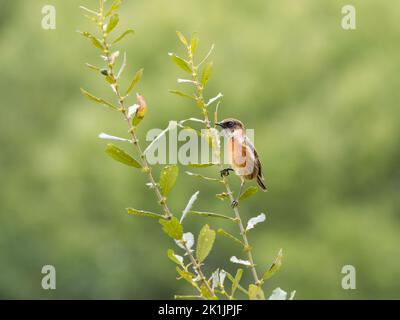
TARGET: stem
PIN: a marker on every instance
(199, 89)
(197, 267)
(135, 142)
(242, 232)
(201, 103)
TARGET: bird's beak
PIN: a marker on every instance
(219, 124)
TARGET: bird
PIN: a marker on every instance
(242, 156)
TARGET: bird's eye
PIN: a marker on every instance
(230, 124)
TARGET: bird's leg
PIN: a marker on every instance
(225, 172)
(235, 202)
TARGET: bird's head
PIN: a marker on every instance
(231, 126)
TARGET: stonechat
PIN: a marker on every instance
(242, 156)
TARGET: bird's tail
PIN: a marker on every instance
(261, 184)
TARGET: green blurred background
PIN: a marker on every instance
(324, 105)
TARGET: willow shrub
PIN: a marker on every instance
(189, 266)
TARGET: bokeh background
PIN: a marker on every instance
(324, 103)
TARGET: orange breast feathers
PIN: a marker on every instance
(241, 157)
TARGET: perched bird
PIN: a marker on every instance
(242, 156)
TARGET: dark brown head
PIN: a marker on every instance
(231, 125)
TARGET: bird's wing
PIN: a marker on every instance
(250, 145)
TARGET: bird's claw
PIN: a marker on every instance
(234, 203)
(225, 172)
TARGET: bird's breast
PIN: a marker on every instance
(240, 157)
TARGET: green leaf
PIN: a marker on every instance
(168, 178)
(90, 66)
(205, 243)
(181, 63)
(119, 38)
(210, 214)
(114, 6)
(181, 94)
(194, 43)
(172, 228)
(236, 281)
(276, 265)
(98, 100)
(187, 276)
(142, 213)
(109, 79)
(89, 10)
(121, 156)
(232, 280)
(202, 177)
(207, 72)
(114, 20)
(96, 42)
(172, 257)
(222, 196)
(182, 38)
(206, 293)
(135, 80)
(248, 193)
(200, 165)
(231, 237)
(256, 292)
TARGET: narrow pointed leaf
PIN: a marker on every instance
(210, 214)
(189, 205)
(92, 67)
(114, 20)
(248, 193)
(206, 293)
(200, 165)
(98, 100)
(202, 177)
(181, 94)
(236, 281)
(276, 265)
(187, 276)
(229, 236)
(172, 228)
(168, 178)
(232, 280)
(194, 43)
(254, 221)
(89, 10)
(142, 213)
(182, 38)
(173, 257)
(256, 292)
(181, 63)
(122, 36)
(234, 259)
(96, 42)
(278, 294)
(207, 72)
(114, 6)
(121, 156)
(222, 196)
(205, 243)
(134, 81)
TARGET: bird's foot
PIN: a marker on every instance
(225, 172)
(234, 203)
